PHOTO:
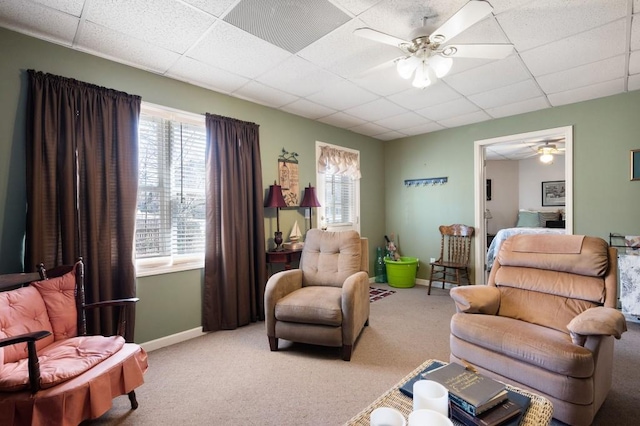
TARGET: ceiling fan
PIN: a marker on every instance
(427, 58)
(547, 150)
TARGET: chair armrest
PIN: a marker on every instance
(34, 364)
(476, 299)
(598, 321)
(279, 285)
(116, 302)
(355, 305)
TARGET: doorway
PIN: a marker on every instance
(480, 188)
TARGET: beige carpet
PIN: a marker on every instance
(231, 377)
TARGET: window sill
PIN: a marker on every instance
(150, 270)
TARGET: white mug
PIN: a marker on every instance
(431, 395)
(426, 417)
(387, 416)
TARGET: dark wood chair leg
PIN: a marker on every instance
(346, 352)
(132, 398)
(273, 343)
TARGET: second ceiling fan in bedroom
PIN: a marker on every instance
(427, 58)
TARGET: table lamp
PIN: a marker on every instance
(310, 200)
(275, 199)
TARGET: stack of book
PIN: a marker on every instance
(474, 399)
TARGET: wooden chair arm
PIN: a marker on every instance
(116, 302)
(34, 364)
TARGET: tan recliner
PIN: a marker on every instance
(545, 322)
(326, 301)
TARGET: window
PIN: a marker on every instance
(338, 182)
(170, 219)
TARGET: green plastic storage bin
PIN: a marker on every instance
(401, 273)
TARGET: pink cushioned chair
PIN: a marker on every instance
(51, 372)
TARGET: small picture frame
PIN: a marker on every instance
(553, 193)
(488, 190)
(635, 164)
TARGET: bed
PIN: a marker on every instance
(503, 234)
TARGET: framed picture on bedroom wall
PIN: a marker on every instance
(553, 193)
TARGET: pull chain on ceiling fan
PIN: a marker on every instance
(426, 59)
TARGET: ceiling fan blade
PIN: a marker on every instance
(488, 51)
(379, 67)
(469, 14)
(379, 37)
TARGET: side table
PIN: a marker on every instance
(283, 256)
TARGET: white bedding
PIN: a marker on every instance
(503, 234)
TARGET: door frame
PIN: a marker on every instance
(479, 170)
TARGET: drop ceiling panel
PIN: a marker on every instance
(199, 73)
(591, 46)
(168, 24)
(236, 51)
(635, 30)
(376, 110)
(38, 21)
(369, 129)
(517, 92)
(424, 128)
(384, 82)
(584, 75)
(448, 109)
(541, 22)
(216, 8)
(111, 44)
(402, 121)
(634, 82)
(355, 7)
(264, 95)
(594, 91)
(343, 95)
(389, 136)
(416, 99)
(308, 109)
(340, 119)
(488, 77)
(634, 62)
(72, 7)
(461, 120)
(299, 77)
(519, 107)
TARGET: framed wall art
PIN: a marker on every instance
(553, 193)
(289, 177)
(635, 164)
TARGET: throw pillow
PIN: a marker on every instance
(527, 219)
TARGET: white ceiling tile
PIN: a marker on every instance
(369, 129)
(485, 31)
(521, 91)
(541, 22)
(201, 74)
(501, 6)
(342, 96)
(264, 95)
(634, 82)
(591, 46)
(299, 77)
(72, 7)
(340, 119)
(168, 24)
(38, 21)
(401, 121)
(347, 54)
(389, 136)
(355, 7)
(635, 30)
(216, 8)
(107, 43)
(599, 90)
(634, 62)
(584, 75)
(491, 76)
(308, 109)
(448, 109)
(415, 99)
(376, 110)
(519, 107)
(234, 50)
(383, 82)
(462, 120)
(422, 129)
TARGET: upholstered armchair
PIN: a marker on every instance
(546, 321)
(326, 301)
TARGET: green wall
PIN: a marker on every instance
(605, 200)
(169, 303)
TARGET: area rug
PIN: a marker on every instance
(378, 293)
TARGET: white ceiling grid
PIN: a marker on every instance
(565, 52)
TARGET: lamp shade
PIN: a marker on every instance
(310, 199)
(274, 197)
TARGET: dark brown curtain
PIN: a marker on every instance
(82, 182)
(235, 265)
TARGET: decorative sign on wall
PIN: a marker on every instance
(289, 178)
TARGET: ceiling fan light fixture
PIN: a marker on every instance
(421, 79)
(406, 66)
(440, 65)
(546, 158)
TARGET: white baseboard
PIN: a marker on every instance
(172, 339)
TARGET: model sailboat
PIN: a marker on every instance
(294, 242)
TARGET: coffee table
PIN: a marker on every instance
(539, 412)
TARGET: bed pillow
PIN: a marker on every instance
(527, 219)
(543, 217)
